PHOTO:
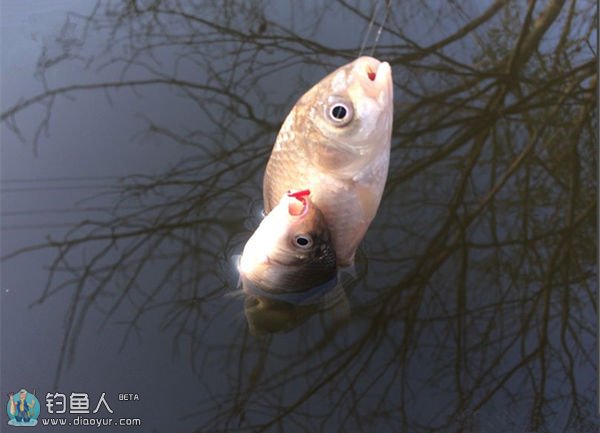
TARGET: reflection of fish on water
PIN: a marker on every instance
(268, 313)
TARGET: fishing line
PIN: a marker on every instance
(364, 43)
(378, 34)
(387, 12)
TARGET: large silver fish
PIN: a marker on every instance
(290, 251)
(336, 142)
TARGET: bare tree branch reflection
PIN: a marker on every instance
(477, 311)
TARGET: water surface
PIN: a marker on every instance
(134, 139)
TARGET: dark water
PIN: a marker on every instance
(134, 139)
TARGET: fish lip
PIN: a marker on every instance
(384, 71)
(385, 81)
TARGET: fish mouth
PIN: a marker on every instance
(297, 203)
(374, 76)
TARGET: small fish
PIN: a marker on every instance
(291, 250)
(336, 142)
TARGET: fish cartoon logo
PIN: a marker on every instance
(23, 409)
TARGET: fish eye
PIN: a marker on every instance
(303, 241)
(340, 113)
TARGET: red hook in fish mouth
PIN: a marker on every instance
(371, 74)
(293, 207)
